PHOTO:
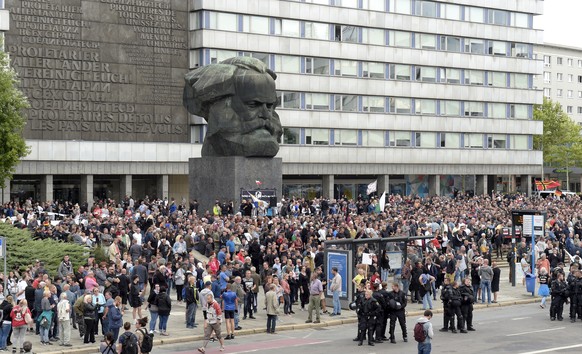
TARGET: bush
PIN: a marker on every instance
(22, 250)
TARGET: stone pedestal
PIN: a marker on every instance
(222, 178)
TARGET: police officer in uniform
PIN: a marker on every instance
(559, 296)
(445, 297)
(575, 291)
(359, 302)
(397, 312)
(370, 309)
(467, 300)
(379, 296)
(455, 308)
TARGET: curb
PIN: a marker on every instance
(299, 326)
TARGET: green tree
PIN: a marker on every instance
(12, 102)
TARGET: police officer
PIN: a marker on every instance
(370, 309)
(559, 296)
(575, 291)
(397, 312)
(378, 294)
(360, 297)
(385, 313)
(445, 297)
(455, 308)
(467, 300)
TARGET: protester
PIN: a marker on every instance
(212, 323)
(272, 304)
(64, 317)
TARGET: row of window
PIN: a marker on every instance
(379, 138)
(560, 77)
(354, 34)
(401, 105)
(376, 70)
(560, 93)
(436, 10)
(560, 61)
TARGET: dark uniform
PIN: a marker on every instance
(380, 320)
(361, 321)
(575, 292)
(467, 300)
(559, 296)
(370, 309)
(455, 309)
(397, 313)
(447, 317)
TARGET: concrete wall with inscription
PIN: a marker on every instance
(101, 70)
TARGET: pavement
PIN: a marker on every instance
(178, 333)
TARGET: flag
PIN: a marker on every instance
(547, 184)
(372, 187)
(258, 183)
(382, 202)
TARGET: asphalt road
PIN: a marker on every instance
(523, 329)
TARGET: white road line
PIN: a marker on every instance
(554, 349)
(520, 318)
(308, 334)
(486, 322)
(541, 330)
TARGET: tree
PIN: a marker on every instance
(561, 141)
(12, 102)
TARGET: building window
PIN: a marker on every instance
(518, 111)
(374, 36)
(451, 108)
(426, 74)
(317, 66)
(373, 138)
(345, 137)
(400, 138)
(519, 19)
(569, 109)
(196, 132)
(290, 136)
(425, 8)
(547, 92)
(373, 70)
(558, 92)
(559, 76)
(559, 61)
(475, 46)
(347, 3)
(317, 101)
(580, 63)
(547, 60)
(346, 33)
(450, 44)
(223, 21)
(450, 11)
(425, 41)
(474, 109)
(520, 50)
(288, 28)
(570, 94)
(547, 77)
(400, 105)
(216, 56)
(256, 24)
(289, 100)
(373, 104)
(474, 141)
(497, 79)
(400, 39)
(450, 76)
(579, 94)
(288, 64)
(497, 48)
(570, 61)
(450, 140)
(346, 68)
(425, 107)
(579, 110)
(474, 14)
(497, 110)
(519, 142)
(399, 72)
(519, 81)
(346, 103)
(261, 56)
(497, 141)
(474, 77)
(425, 139)
(498, 17)
(374, 5)
(316, 30)
(316, 136)
(399, 6)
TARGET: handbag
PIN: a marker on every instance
(28, 318)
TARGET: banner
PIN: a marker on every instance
(372, 187)
(260, 195)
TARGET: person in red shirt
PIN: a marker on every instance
(21, 319)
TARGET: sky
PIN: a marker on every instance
(560, 22)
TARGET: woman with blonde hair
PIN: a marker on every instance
(45, 318)
(21, 319)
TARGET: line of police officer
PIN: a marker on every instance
(374, 307)
(563, 291)
(457, 302)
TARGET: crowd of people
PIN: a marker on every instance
(154, 247)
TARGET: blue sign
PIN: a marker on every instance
(340, 261)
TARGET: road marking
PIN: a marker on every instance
(308, 334)
(554, 349)
(520, 318)
(276, 347)
(541, 330)
(486, 322)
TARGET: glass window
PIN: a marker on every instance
(474, 109)
(374, 104)
(497, 141)
(425, 41)
(450, 11)
(346, 33)
(400, 6)
(374, 36)
(223, 21)
(520, 50)
(451, 108)
(346, 103)
(547, 76)
(347, 3)
(317, 66)
(519, 142)
(570, 93)
(289, 100)
(559, 76)
(425, 106)
(425, 139)
(261, 56)
(519, 19)
(519, 80)
(256, 24)
(450, 140)
(580, 63)
(474, 141)
(569, 109)
(373, 70)
(289, 28)
(547, 92)
(570, 77)
(399, 39)
(425, 8)
(374, 5)
(497, 48)
(290, 136)
(426, 74)
(400, 105)
(216, 56)
(450, 76)
(345, 137)
(316, 136)
(474, 14)
(317, 101)
(373, 138)
(320, 2)
(497, 110)
(288, 64)
(519, 111)
(570, 61)
(498, 17)
(398, 138)
(559, 92)
(474, 77)
(346, 68)
(559, 60)
(497, 79)
(316, 30)
(450, 44)
(195, 22)
(475, 46)
(548, 60)
(399, 72)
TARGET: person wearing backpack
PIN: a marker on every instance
(423, 333)
(145, 340)
(128, 343)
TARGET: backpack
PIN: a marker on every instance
(419, 332)
(147, 342)
(130, 344)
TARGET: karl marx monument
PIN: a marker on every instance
(237, 97)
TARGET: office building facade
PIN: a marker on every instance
(425, 97)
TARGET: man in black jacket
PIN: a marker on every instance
(455, 308)
(191, 302)
(398, 304)
(467, 300)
